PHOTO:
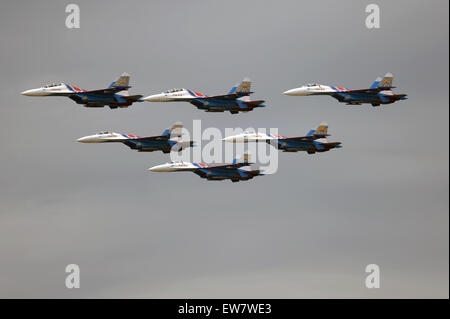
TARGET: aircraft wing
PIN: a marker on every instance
(108, 90)
(372, 91)
(305, 138)
(235, 165)
(151, 138)
(232, 96)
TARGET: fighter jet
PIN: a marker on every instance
(234, 171)
(314, 141)
(94, 98)
(379, 93)
(170, 140)
(237, 100)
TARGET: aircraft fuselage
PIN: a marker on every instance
(310, 147)
(100, 100)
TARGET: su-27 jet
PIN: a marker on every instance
(237, 100)
(234, 171)
(170, 140)
(116, 95)
(380, 92)
(314, 141)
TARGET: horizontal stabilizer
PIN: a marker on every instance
(333, 144)
(133, 97)
(400, 96)
(257, 102)
(108, 90)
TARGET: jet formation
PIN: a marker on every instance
(237, 100)
(380, 92)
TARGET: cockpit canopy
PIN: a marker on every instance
(311, 84)
(53, 85)
(104, 132)
(173, 90)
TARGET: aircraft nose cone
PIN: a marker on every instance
(292, 92)
(228, 139)
(155, 169)
(86, 139)
(29, 92)
(161, 168)
(154, 98)
(34, 92)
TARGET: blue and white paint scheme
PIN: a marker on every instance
(236, 171)
(116, 95)
(170, 140)
(237, 100)
(314, 141)
(380, 92)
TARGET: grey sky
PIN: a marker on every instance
(306, 232)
